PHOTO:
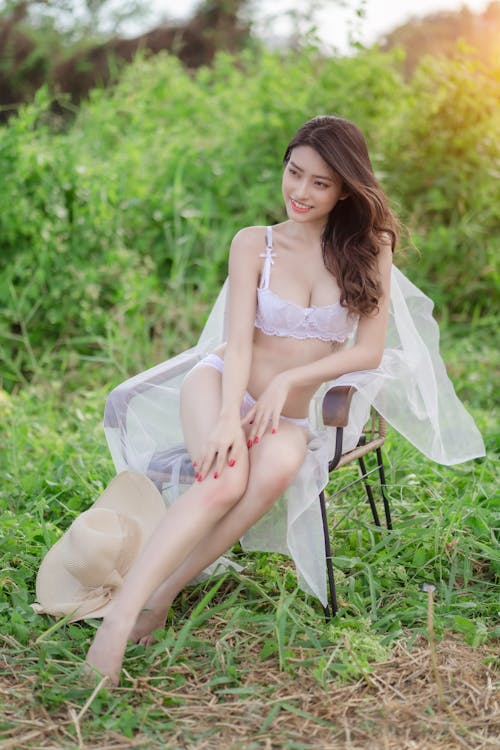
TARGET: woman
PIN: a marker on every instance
(244, 409)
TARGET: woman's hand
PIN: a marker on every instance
(225, 445)
(267, 409)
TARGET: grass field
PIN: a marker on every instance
(247, 660)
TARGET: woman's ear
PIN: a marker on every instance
(344, 192)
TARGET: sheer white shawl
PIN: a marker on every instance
(411, 389)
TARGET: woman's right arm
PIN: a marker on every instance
(226, 440)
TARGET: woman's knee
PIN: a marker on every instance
(224, 491)
(281, 476)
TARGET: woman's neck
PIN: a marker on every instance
(306, 235)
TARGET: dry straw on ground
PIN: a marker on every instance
(403, 704)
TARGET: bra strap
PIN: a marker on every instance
(269, 238)
(268, 260)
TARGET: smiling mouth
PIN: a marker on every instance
(301, 208)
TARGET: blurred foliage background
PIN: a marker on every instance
(118, 201)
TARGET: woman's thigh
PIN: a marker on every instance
(201, 398)
(275, 461)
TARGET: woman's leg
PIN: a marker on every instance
(274, 463)
(185, 524)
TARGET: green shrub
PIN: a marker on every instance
(110, 227)
(442, 158)
(115, 233)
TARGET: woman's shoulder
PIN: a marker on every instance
(385, 242)
(246, 247)
(249, 236)
(248, 244)
(384, 261)
(255, 236)
(385, 249)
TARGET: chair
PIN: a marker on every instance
(143, 391)
(335, 408)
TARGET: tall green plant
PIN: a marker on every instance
(122, 217)
(108, 229)
(442, 156)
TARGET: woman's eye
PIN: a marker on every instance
(322, 184)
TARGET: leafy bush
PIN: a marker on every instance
(108, 229)
(442, 159)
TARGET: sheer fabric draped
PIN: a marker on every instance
(411, 389)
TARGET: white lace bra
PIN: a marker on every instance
(278, 317)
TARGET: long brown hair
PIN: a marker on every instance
(361, 221)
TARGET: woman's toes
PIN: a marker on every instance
(148, 621)
(105, 655)
(147, 640)
(94, 677)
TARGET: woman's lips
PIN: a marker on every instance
(300, 208)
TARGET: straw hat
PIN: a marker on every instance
(83, 570)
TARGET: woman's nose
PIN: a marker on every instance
(301, 189)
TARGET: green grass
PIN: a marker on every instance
(244, 639)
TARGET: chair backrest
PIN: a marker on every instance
(336, 407)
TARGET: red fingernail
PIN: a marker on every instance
(194, 463)
(196, 475)
(198, 478)
(256, 440)
(273, 431)
(215, 475)
(232, 462)
(249, 443)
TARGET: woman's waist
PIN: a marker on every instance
(270, 363)
(272, 355)
(266, 365)
(285, 351)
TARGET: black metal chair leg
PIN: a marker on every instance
(368, 489)
(369, 492)
(383, 484)
(328, 556)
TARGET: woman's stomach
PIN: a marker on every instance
(272, 355)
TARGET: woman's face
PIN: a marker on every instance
(310, 186)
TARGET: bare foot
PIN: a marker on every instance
(106, 653)
(148, 621)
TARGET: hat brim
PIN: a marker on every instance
(58, 592)
(134, 495)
